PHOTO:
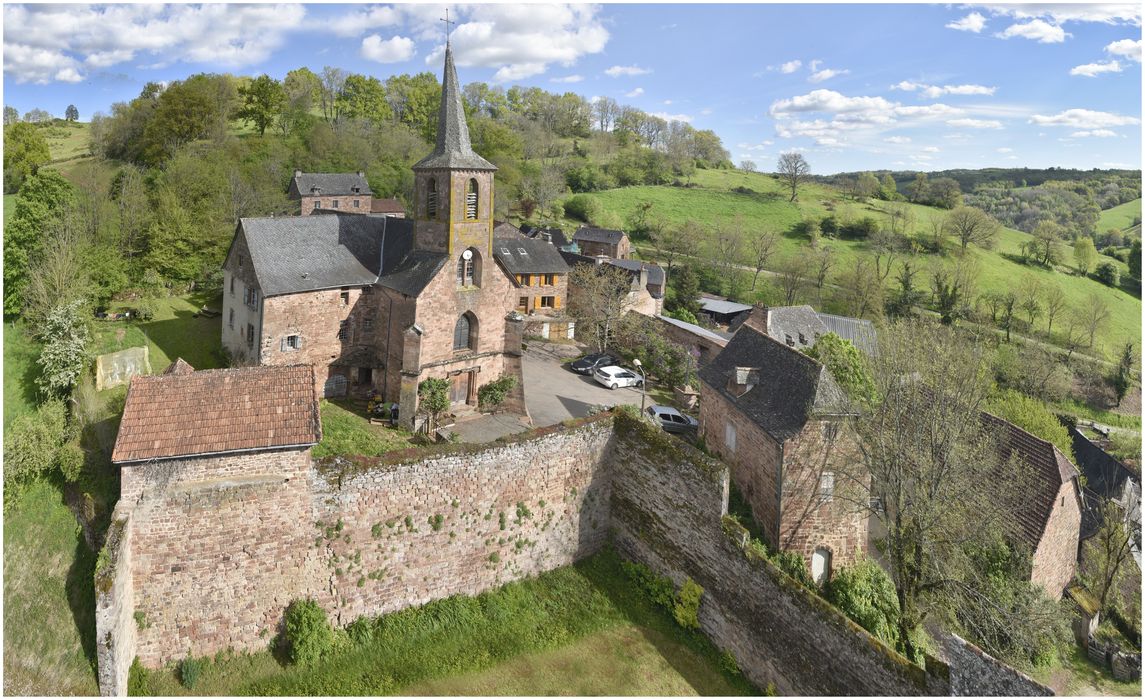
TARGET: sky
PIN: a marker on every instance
(851, 86)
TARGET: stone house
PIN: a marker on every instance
(640, 296)
(331, 191)
(542, 279)
(704, 344)
(221, 423)
(378, 303)
(778, 418)
(800, 326)
(1049, 519)
(610, 243)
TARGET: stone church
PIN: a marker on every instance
(379, 304)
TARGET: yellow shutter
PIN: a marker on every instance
(556, 302)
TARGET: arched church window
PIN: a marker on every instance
(469, 269)
(465, 332)
(431, 198)
(471, 199)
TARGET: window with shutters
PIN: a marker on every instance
(471, 199)
(523, 303)
(431, 198)
(465, 332)
(546, 302)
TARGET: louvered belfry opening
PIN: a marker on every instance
(471, 199)
(431, 199)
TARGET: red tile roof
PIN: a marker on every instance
(1049, 469)
(217, 411)
(387, 206)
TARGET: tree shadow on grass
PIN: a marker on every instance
(688, 652)
(80, 589)
(196, 339)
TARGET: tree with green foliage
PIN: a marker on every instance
(1135, 259)
(65, 355)
(866, 594)
(601, 300)
(1106, 555)
(1046, 245)
(32, 445)
(919, 190)
(11, 115)
(846, 364)
(970, 225)
(71, 114)
(793, 170)
(188, 110)
(492, 394)
(686, 288)
(433, 400)
(888, 190)
(41, 202)
(25, 150)
(1108, 274)
(262, 101)
(414, 100)
(1084, 255)
(364, 97)
(952, 287)
(1122, 377)
(867, 185)
(1033, 416)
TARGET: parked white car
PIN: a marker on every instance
(613, 377)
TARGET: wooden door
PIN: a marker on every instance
(459, 387)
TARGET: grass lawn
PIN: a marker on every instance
(1119, 217)
(9, 206)
(49, 619)
(1077, 675)
(20, 371)
(172, 333)
(581, 629)
(346, 431)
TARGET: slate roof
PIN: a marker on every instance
(414, 272)
(1049, 469)
(576, 258)
(655, 272)
(504, 229)
(1104, 475)
(305, 253)
(793, 321)
(722, 306)
(791, 387)
(218, 411)
(330, 183)
(713, 336)
(387, 206)
(559, 239)
(453, 149)
(538, 257)
(598, 235)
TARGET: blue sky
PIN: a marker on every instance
(853, 86)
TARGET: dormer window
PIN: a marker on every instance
(789, 339)
(802, 339)
(431, 198)
(471, 199)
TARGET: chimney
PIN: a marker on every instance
(742, 380)
(757, 318)
(297, 173)
(361, 174)
(547, 236)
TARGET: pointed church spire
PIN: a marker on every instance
(453, 147)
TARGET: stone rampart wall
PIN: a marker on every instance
(114, 608)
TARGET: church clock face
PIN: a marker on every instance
(467, 255)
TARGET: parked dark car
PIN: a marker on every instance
(672, 420)
(589, 363)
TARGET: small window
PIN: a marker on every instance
(789, 339)
(505, 251)
(546, 302)
(471, 200)
(367, 324)
(291, 342)
(464, 333)
(343, 333)
(523, 302)
(232, 286)
(231, 319)
(730, 437)
(550, 280)
(317, 204)
(250, 335)
(345, 296)
(334, 204)
(522, 251)
(826, 486)
(431, 199)
(802, 339)
(357, 204)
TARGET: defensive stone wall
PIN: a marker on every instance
(115, 604)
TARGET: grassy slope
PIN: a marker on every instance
(20, 371)
(49, 619)
(578, 629)
(713, 201)
(345, 431)
(1119, 217)
(68, 145)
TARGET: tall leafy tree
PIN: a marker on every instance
(364, 97)
(1084, 255)
(71, 113)
(25, 150)
(793, 171)
(263, 99)
(40, 203)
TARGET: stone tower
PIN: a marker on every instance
(453, 186)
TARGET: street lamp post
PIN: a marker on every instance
(643, 385)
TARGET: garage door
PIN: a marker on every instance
(334, 386)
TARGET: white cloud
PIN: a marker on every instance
(1099, 133)
(975, 123)
(394, 50)
(569, 79)
(1084, 119)
(672, 117)
(667, 102)
(1127, 48)
(618, 71)
(519, 40)
(1035, 30)
(635, 93)
(972, 22)
(935, 91)
(790, 66)
(814, 65)
(361, 21)
(1091, 70)
(930, 149)
(1110, 13)
(897, 139)
(101, 36)
(826, 74)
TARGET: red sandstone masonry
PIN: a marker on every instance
(1055, 560)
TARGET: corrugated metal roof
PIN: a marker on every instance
(861, 333)
(722, 306)
(697, 330)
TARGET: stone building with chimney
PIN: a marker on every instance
(331, 191)
(379, 304)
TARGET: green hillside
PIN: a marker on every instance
(1120, 217)
(714, 198)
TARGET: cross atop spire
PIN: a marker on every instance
(447, 23)
(453, 149)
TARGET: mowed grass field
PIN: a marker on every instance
(1120, 217)
(173, 332)
(577, 630)
(714, 200)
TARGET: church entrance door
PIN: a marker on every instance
(459, 387)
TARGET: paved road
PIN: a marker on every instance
(554, 393)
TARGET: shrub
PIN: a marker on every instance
(864, 593)
(846, 364)
(1107, 273)
(658, 588)
(684, 315)
(583, 207)
(189, 670)
(70, 459)
(493, 394)
(31, 446)
(138, 679)
(792, 564)
(687, 607)
(307, 634)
